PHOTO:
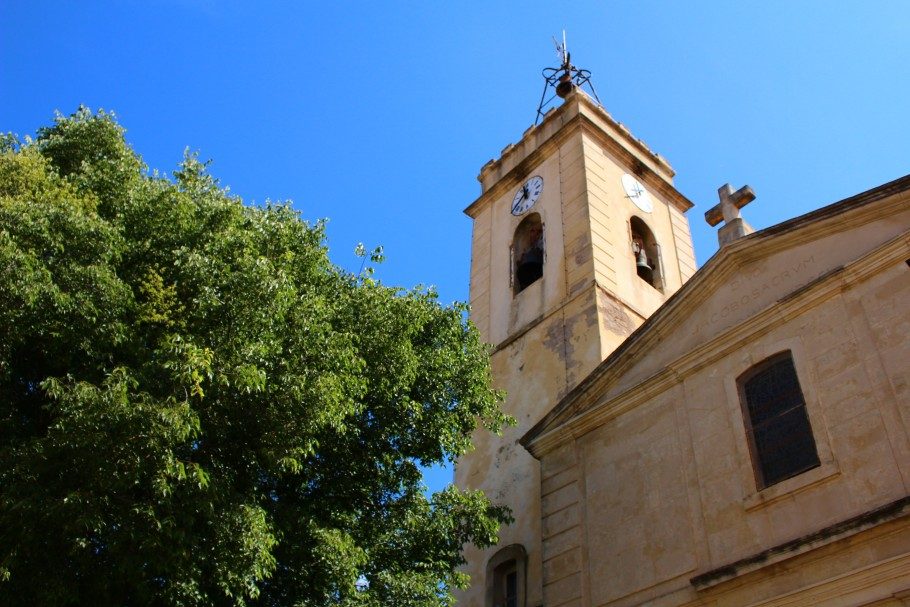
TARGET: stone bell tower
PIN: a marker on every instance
(578, 236)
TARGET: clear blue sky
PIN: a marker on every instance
(379, 115)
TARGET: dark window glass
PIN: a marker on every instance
(512, 589)
(782, 442)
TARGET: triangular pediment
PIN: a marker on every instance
(752, 283)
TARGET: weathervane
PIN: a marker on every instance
(563, 79)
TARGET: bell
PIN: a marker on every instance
(565, 85)
(641, 265)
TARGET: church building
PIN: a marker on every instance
(733, 435)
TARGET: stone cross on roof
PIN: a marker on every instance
(730, 204)
(728, 210)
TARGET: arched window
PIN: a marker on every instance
(506, 577)
(527, 252)
(780, 436)
(646, 251)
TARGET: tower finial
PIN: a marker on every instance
(564, 78)
(562, 50)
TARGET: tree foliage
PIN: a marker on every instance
(198, 408)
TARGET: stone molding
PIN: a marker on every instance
(580, 412)
(577, 114)
(844, 529)
(598, 290)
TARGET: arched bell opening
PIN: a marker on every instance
(646, 252)
(527, 253)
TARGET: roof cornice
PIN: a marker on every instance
(577, 113)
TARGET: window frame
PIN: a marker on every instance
(512, 559)
(757, 458)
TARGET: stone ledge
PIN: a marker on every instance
(826, 471)
(829, 534)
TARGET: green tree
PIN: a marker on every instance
(198, 408)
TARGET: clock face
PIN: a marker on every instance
(637, 193)
(527, 195)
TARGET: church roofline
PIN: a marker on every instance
(550, 430)
(577, 112)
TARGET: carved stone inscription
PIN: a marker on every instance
(751, 291)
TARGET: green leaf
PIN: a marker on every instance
(198, 408)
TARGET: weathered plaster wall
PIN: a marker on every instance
(610, 211)
(551, 335)
(545, 340)
(665, 490)
(637, 496)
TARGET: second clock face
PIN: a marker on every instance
(527, 195)
(637, 193)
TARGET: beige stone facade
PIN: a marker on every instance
(635, 472)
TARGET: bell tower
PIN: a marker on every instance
(578, 236)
